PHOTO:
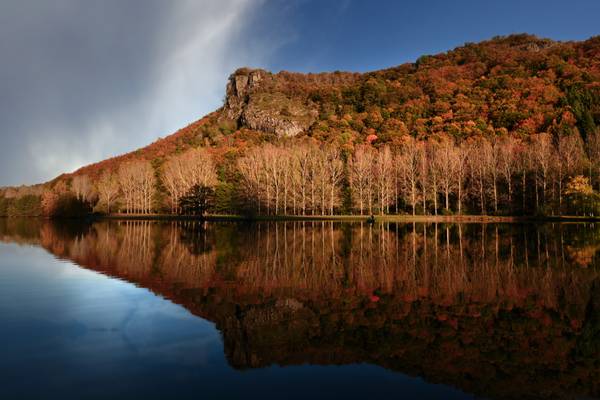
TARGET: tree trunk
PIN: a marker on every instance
(460, 197)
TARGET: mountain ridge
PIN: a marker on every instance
(523, 42)
(517, 85)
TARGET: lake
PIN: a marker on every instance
(298, 309)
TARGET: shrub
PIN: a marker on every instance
(4, 206)
(26, 206)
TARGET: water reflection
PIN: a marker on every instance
(496, 310)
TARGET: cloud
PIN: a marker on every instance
(82, 81)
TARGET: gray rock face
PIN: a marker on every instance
(239, 87)
(253, 100)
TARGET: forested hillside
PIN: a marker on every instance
(505, 126)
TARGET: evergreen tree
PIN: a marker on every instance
(197, 200)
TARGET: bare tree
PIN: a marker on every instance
(302, 158)
(82, 187)
(433, 172)
(335, 169)
(361, 181)
(108, 189)
(171, 173)
(461, 169)
(493, 167)
(137, 181)
(507, 164)
(183, 171)
(201, 169)
(523, 165)
(383, 178)
(409, 160)
(298, 179)
(252, 172)
(543, 151)
(423, 173)
(444, 164)
(306, 178)
(479, 154)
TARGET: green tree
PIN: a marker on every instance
(197, 200)
(581, 101)
(580, 197)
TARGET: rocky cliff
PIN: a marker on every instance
(251, 103)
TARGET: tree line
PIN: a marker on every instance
(500, 175)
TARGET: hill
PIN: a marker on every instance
(501, 126)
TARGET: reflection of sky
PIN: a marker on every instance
(67, 331)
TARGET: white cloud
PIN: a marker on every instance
(195, 47)
(201, 45)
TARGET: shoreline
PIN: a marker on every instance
(332, 218)
(352, 218)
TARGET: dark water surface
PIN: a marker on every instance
(156, 310)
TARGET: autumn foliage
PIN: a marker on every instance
(498, 127)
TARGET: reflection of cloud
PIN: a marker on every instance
(89, 82)
(192, 351)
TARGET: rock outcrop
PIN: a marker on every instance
(239, 87)
(253, 101)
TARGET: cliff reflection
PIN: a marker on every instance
(497, 310)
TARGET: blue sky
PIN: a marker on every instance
(82, 81)
(368, 35)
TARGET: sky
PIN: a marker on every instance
(81, 81)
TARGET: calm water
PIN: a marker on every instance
(298, 310)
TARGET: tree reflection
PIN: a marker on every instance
(498, 310)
